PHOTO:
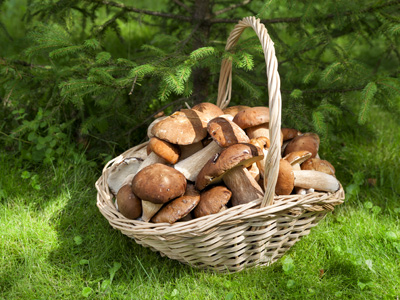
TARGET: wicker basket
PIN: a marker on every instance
(253, 234)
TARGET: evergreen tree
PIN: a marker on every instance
(97, 72)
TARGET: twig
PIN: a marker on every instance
(231, 7)
(322, 18)
(133, 85)
(181, 4)
(142, 11)
(3, 61)
(317, 91)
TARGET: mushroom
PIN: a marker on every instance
(289, 133)
(297, 158)
(167, 151)
(209, 110)
(120, 171)
(318, 165)
(179, 207)
(289, 178)
(127, 203)
(149, 129)
(212, 201)
(233, 110)
(255, 121)
(183, 127)
(230, 166)
(155, 185)
(306, 141)
(224, 133)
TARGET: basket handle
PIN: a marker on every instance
(275, 103)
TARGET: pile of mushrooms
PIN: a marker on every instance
(203, 160)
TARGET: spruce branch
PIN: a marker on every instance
(142, 11)
(232, 7)
(181, 4)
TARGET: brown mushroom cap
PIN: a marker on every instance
(320, 165)
(297, 157)
(183, 127)
(233, 110)
(308, 142)
(129, 205)
(289, 133)
(252, 116)
(212, 201)
(170, 152)
(209, 110)
(226, 133)
(285, 182)
(179, 207)
(217, 166)
(158, 184)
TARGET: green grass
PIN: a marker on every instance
(55, 244)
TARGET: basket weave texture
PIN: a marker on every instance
(248, 235)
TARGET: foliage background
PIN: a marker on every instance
(91, 75)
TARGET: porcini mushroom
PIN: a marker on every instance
(254, 120)
(318, 164)
(230, 166)
(306, 141)
(179, 207)
(209, 110)
(224, 133)
(233, 110)
(183, 127)
(212, 201)
(289, 178)
(155, 185)
(126, 201)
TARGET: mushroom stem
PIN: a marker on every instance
(242, 185)
(151, 159)
(149, 209)
(189, 150)
(316, 180)
(191, 166)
